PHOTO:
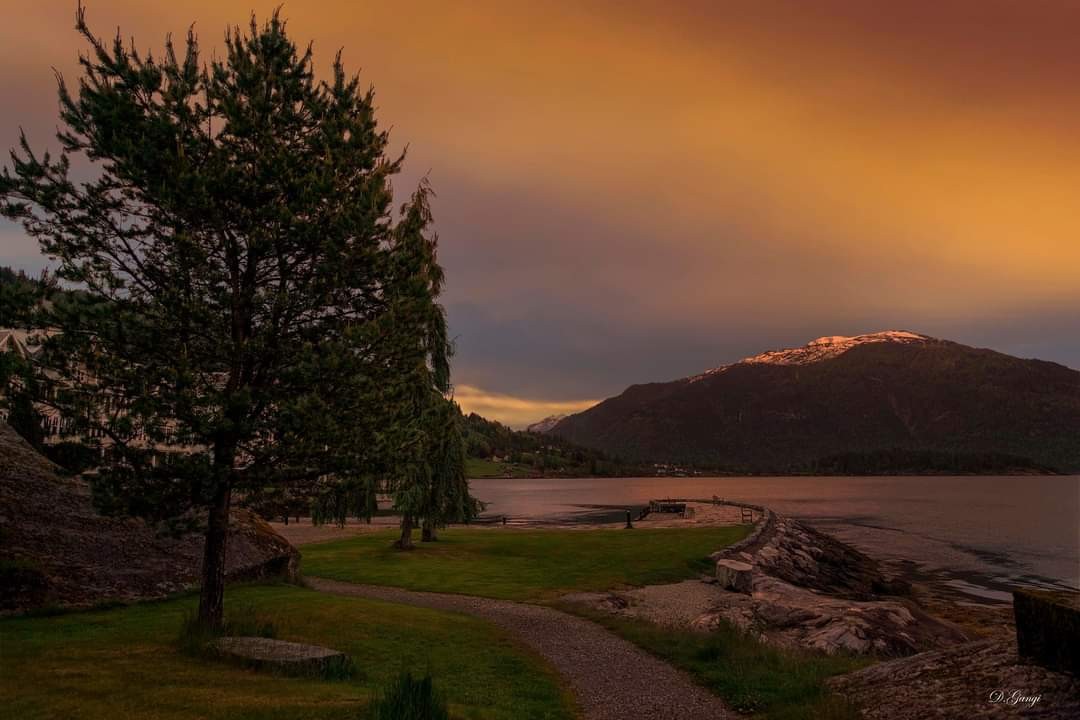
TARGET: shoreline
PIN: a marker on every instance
(975, 537)
(1016, 472)
(950, 589)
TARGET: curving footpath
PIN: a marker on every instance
(610, 678)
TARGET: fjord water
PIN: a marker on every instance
(976, 536)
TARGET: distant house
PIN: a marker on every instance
(14, 341)
(55, 426)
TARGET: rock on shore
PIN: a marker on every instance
(808, 589)
(786, 615)
(808, 558)
(793, 586)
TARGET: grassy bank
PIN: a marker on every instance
(124, 663)
(752, 677)
(481, 468)
(530, 565)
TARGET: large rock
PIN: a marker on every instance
(789, 616)
(735, 575)
(808, 558)
(1048, 628)
(981, 679)
(55, 549)
(286, 658)
(797, 586)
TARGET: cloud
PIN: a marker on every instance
(639, 191)
(517, 412)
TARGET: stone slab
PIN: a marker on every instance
(279, 655)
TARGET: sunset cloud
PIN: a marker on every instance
(514, 411)
(639, 191)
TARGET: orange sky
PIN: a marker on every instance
(635, 191)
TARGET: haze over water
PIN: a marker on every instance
(973, 535)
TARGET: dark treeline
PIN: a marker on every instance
(900, 461)
(542, 454)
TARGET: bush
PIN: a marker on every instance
(409, 698)
(73, 457)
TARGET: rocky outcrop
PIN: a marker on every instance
(791, 586)
(788, 616)
(788, 550)
(256, 551)
(796, 586)
(982, 679)
(56, 550)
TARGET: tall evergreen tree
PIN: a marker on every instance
(253, 315)
(424, 476)
(447, 498)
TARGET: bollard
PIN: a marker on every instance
(504, 519)
(629, 525)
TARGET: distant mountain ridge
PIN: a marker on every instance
(894, 391)
(543, 426)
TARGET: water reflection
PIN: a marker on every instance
(1007, 530)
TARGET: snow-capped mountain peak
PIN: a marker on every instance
(823, 348)
(545, 425)
(831, 346)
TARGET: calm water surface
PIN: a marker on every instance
(977, 536)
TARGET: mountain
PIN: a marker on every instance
(545, 425)
(886, 401)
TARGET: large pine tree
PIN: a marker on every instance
(253, 314)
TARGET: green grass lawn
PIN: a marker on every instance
(751, 676)
(124, 663)
(482, 468)
(529, 565)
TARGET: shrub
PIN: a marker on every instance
(409, 698)
(73, 457)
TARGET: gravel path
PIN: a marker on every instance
(611, 679)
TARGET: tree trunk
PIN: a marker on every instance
(405, 541)
(212, 597)
(427, 532)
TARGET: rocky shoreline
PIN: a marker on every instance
(793, 586)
